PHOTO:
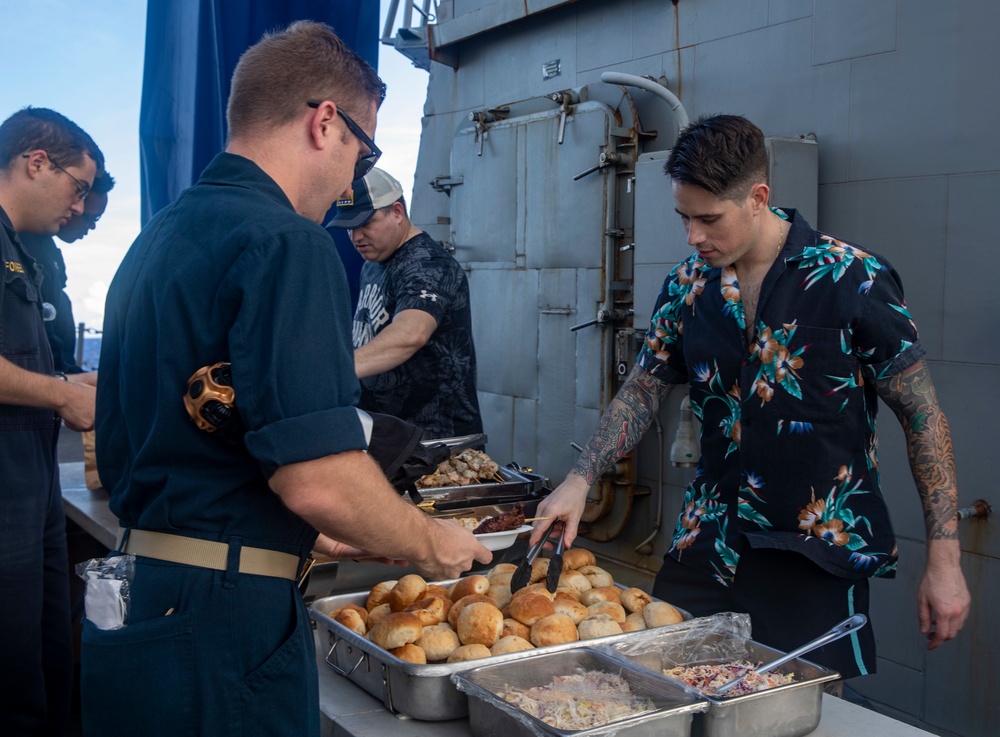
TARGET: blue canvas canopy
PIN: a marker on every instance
(192, 47)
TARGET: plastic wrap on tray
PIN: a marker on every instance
(720, 638)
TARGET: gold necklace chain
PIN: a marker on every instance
(781, 237)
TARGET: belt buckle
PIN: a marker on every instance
(306, 567)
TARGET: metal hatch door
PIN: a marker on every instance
(535, 244)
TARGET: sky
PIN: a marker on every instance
(83, 58)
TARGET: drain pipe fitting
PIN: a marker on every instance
(632, 80)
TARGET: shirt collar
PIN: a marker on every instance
(234, 170)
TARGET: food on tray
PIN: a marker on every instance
(503, 522)
(510, 644)
(396, 629)
(468, 467)
(553, 629)
(600, 593)
(598, 625)
(707, 678)
(580, 701)
(480, 624)
(635, 600)
(410, 653)
(438, 642)
(469, 652)
(660, 614)
(575, 558)
(469, 618)
(407, 590)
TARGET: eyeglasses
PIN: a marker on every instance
(82, 188)
(365, 163)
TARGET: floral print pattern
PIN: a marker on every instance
(788, 443)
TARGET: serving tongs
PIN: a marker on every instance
(849, 625)
(522, 576)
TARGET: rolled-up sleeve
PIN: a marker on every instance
(293, 362)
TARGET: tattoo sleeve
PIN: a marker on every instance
(623, 423)
(911, 396)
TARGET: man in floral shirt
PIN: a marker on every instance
(786, 338)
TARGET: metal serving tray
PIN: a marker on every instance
(491, 716)
(517, 486)
(784, 711)
(422, 692)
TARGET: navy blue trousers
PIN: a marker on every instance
(36, 645)
(234, 656)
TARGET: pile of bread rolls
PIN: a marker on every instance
(477, 616)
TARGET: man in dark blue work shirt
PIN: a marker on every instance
(217, 640)
(47, 164)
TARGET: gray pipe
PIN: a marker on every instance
(656, 88)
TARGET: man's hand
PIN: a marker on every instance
(566, 503)
(76, 404)
(456, 550)
(87, 377)
(943, 599)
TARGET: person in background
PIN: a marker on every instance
(786, 337)
(47, 166)
(238, 269)
(414, 350)
(60, 327)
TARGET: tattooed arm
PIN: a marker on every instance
(620, 429)
(943, 599)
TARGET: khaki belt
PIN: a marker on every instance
(193, 551)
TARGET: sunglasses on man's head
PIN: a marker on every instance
(365, 163)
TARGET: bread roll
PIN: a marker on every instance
(351, 619)
(407, 590)
(565, 592)
(577, 558)
(475, 584)
(431, 610)
(410, 653)
(510, 644)
(379, 594)
(535, 588)
(469, 652)
(377, 614)
(500, 579)
(362, 612)
(396, 629)
(500, 594)
(600, 593)
(437, 591)
(554, 629)
(513, 627)
(597, 576)
(479, 623)
(660, 613)
(615, 611)
(539, 569)
(574, 580)
(598, 625)
(501, 569)
(438, 642)
(633, 622)
(572, 609)
(531, 607)
(635, 600)
(458, 606)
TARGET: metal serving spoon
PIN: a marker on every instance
(849, 625)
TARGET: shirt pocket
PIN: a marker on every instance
(21, 329)
(810, 378)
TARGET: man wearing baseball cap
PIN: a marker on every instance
(413, 346)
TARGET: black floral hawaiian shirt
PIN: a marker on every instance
(788, 442)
